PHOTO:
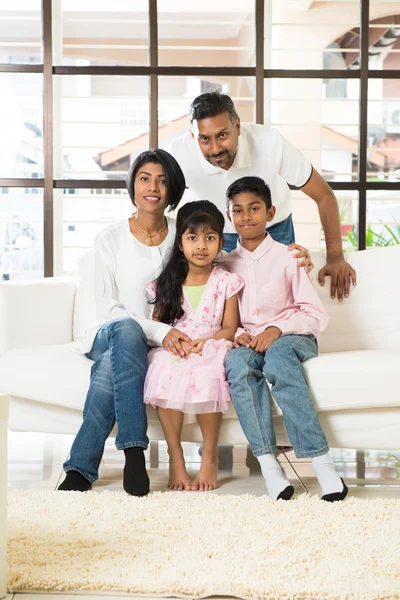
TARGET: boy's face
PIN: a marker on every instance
(249, 215)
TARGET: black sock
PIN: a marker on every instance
(136, 480)
(75, 482)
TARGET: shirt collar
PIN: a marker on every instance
(242, 158)
(259, 252)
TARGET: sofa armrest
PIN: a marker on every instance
(36, 312)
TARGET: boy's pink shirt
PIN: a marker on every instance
(277, 293)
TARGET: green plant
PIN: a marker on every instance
(390, 237)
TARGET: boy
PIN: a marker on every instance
(281, 317)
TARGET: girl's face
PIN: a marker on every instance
(201, 248)
(151, 188)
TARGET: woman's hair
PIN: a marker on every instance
(210, 104)
(174, 177)
(254, 185)
(199, 215)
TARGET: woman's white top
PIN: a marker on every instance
(123, 268)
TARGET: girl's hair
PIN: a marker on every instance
(199, 215)
(174, 177)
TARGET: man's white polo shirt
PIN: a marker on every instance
(262, 151)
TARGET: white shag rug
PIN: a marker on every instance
(202, 544)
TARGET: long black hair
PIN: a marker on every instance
(174, 178)
(199, 215)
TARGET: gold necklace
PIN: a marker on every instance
(148, 241)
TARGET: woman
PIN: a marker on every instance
(128, 256)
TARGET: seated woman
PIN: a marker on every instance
(128, 256)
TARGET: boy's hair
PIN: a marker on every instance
(254, 185)
(199, 215)
(174, 177)
(210, 104)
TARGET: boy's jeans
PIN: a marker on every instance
(281, 365)
(115, 394)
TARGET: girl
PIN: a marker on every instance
(199, 299)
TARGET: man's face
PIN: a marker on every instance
(218, 139)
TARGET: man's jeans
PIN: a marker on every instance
(282, 232)
(281, 365)
(115, 394)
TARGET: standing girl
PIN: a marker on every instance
(199, 299)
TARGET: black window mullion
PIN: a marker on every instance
(363, 127)
(48, 206)
(153, 86)
(259, 25)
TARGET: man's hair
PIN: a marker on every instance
(210, 104)
(254, 185)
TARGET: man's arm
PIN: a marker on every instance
(339, 270)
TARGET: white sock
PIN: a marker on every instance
(328, 479)
(274, 477)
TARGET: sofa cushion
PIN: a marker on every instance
(59, 375)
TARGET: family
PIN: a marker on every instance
(205, 309)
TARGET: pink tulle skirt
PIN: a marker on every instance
(195, 385)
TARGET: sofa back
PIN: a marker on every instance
(368, 319)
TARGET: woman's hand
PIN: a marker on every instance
(303, 253)
(172, 343)
(198, 345)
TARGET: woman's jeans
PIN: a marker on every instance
(115, 394)
(282, 232)
(281, 365)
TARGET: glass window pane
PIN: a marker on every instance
(307, 222)
(21, 32)
(384, 35)
(384, 130)
(206, 34)
(79, 215)
(21, 233)
(111, 33)
(101, 123)
(383, 218)
(312, 35)
(320, 118)
(21, 123)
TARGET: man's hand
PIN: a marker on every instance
(172, 342)
(303, 253)
(262, 341)
(198, 346)
(243, 339)
(340, 272)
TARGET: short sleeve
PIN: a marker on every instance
(295, 169)
(151, 290)
(234, 285)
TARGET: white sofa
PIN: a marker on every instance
(355, 382)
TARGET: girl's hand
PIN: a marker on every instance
(172, 342)
(244, 339)
(307, 263)
(198, 346)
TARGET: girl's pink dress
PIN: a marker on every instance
(197, 384)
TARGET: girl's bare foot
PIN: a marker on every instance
(206, 480)
(178, 478)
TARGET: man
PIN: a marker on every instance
(218, 150)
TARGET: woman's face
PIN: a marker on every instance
(150, 188)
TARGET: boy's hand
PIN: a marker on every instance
(243, 339)
(198, 346)
(262, 341)
(303, 253)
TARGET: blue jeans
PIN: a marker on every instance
(282, 366)
(115, 394)
(282, 232)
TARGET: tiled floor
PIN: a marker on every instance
(35, 462)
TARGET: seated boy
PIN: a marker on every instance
(281, 317)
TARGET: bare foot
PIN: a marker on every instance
(178, 478)
(206, 480)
